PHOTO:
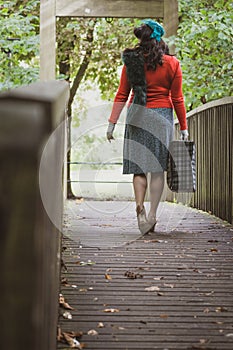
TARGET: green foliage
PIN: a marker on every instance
(19, 43)
(110, 38)
(204, 46)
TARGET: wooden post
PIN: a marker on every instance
(170, 19)
(29, 241)
(47, 40)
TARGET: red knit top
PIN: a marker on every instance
(164, 90)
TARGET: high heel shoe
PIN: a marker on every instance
(143, 224)
(152, 222)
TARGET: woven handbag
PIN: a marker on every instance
(181, 173)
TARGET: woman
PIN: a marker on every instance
(154, 79)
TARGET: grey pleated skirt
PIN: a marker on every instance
(146, 141)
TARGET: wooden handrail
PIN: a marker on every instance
(30, 243)
(211, 127)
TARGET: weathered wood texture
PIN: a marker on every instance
(166, 9)
(170, 19)
(29, 242)
(110, 8)
(189, 262)
(211, 127)
(47, 40)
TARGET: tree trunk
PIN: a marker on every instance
(77, 80)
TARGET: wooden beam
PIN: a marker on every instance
(171, 20)
(47, 40)
(110, 8)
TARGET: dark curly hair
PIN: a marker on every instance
(151, 49)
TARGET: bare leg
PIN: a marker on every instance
(156, 190)
(140, 186)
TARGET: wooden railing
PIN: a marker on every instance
(211, 127)
(29, 241)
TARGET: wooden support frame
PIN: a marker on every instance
(110, 8)
(47, 39)
(50, 9)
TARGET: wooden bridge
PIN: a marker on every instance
(169, 290)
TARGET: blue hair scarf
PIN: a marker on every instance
(158, 30)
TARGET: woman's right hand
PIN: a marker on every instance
(110, 130)
(184, 135)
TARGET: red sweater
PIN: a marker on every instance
(164, 90)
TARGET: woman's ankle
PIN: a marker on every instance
(152, 215)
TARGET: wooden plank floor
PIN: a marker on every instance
(187, 262)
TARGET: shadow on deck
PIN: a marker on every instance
(182, 295)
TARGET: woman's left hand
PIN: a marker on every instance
(184, 135)
(110, 130)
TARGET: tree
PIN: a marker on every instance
(204, 46)
(19, 43)
(90, 49)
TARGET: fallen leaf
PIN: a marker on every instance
(169, 285)
(213, 241)
(158, 278)
(210, 293)
(59, 334)
(203, 341)
(64, 282)
(221, 309)
(63, 303)
(63, 265)
(229, 335)
(147, 262)
(70, 339)
(144, 268)
(72, 342)
(89, 262)
(163, 316)
(160, 294)
(196, 270)
(92, 332)
(79, 200)
(152, 241)
(206, 310)
(75, 334)
(83, 290)
(67, 315)
(152, 289)
(100, 325)
(117, 327)
(108, 277)
(184, 267)
(132, 275)
(214, 250)
(111, 310)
